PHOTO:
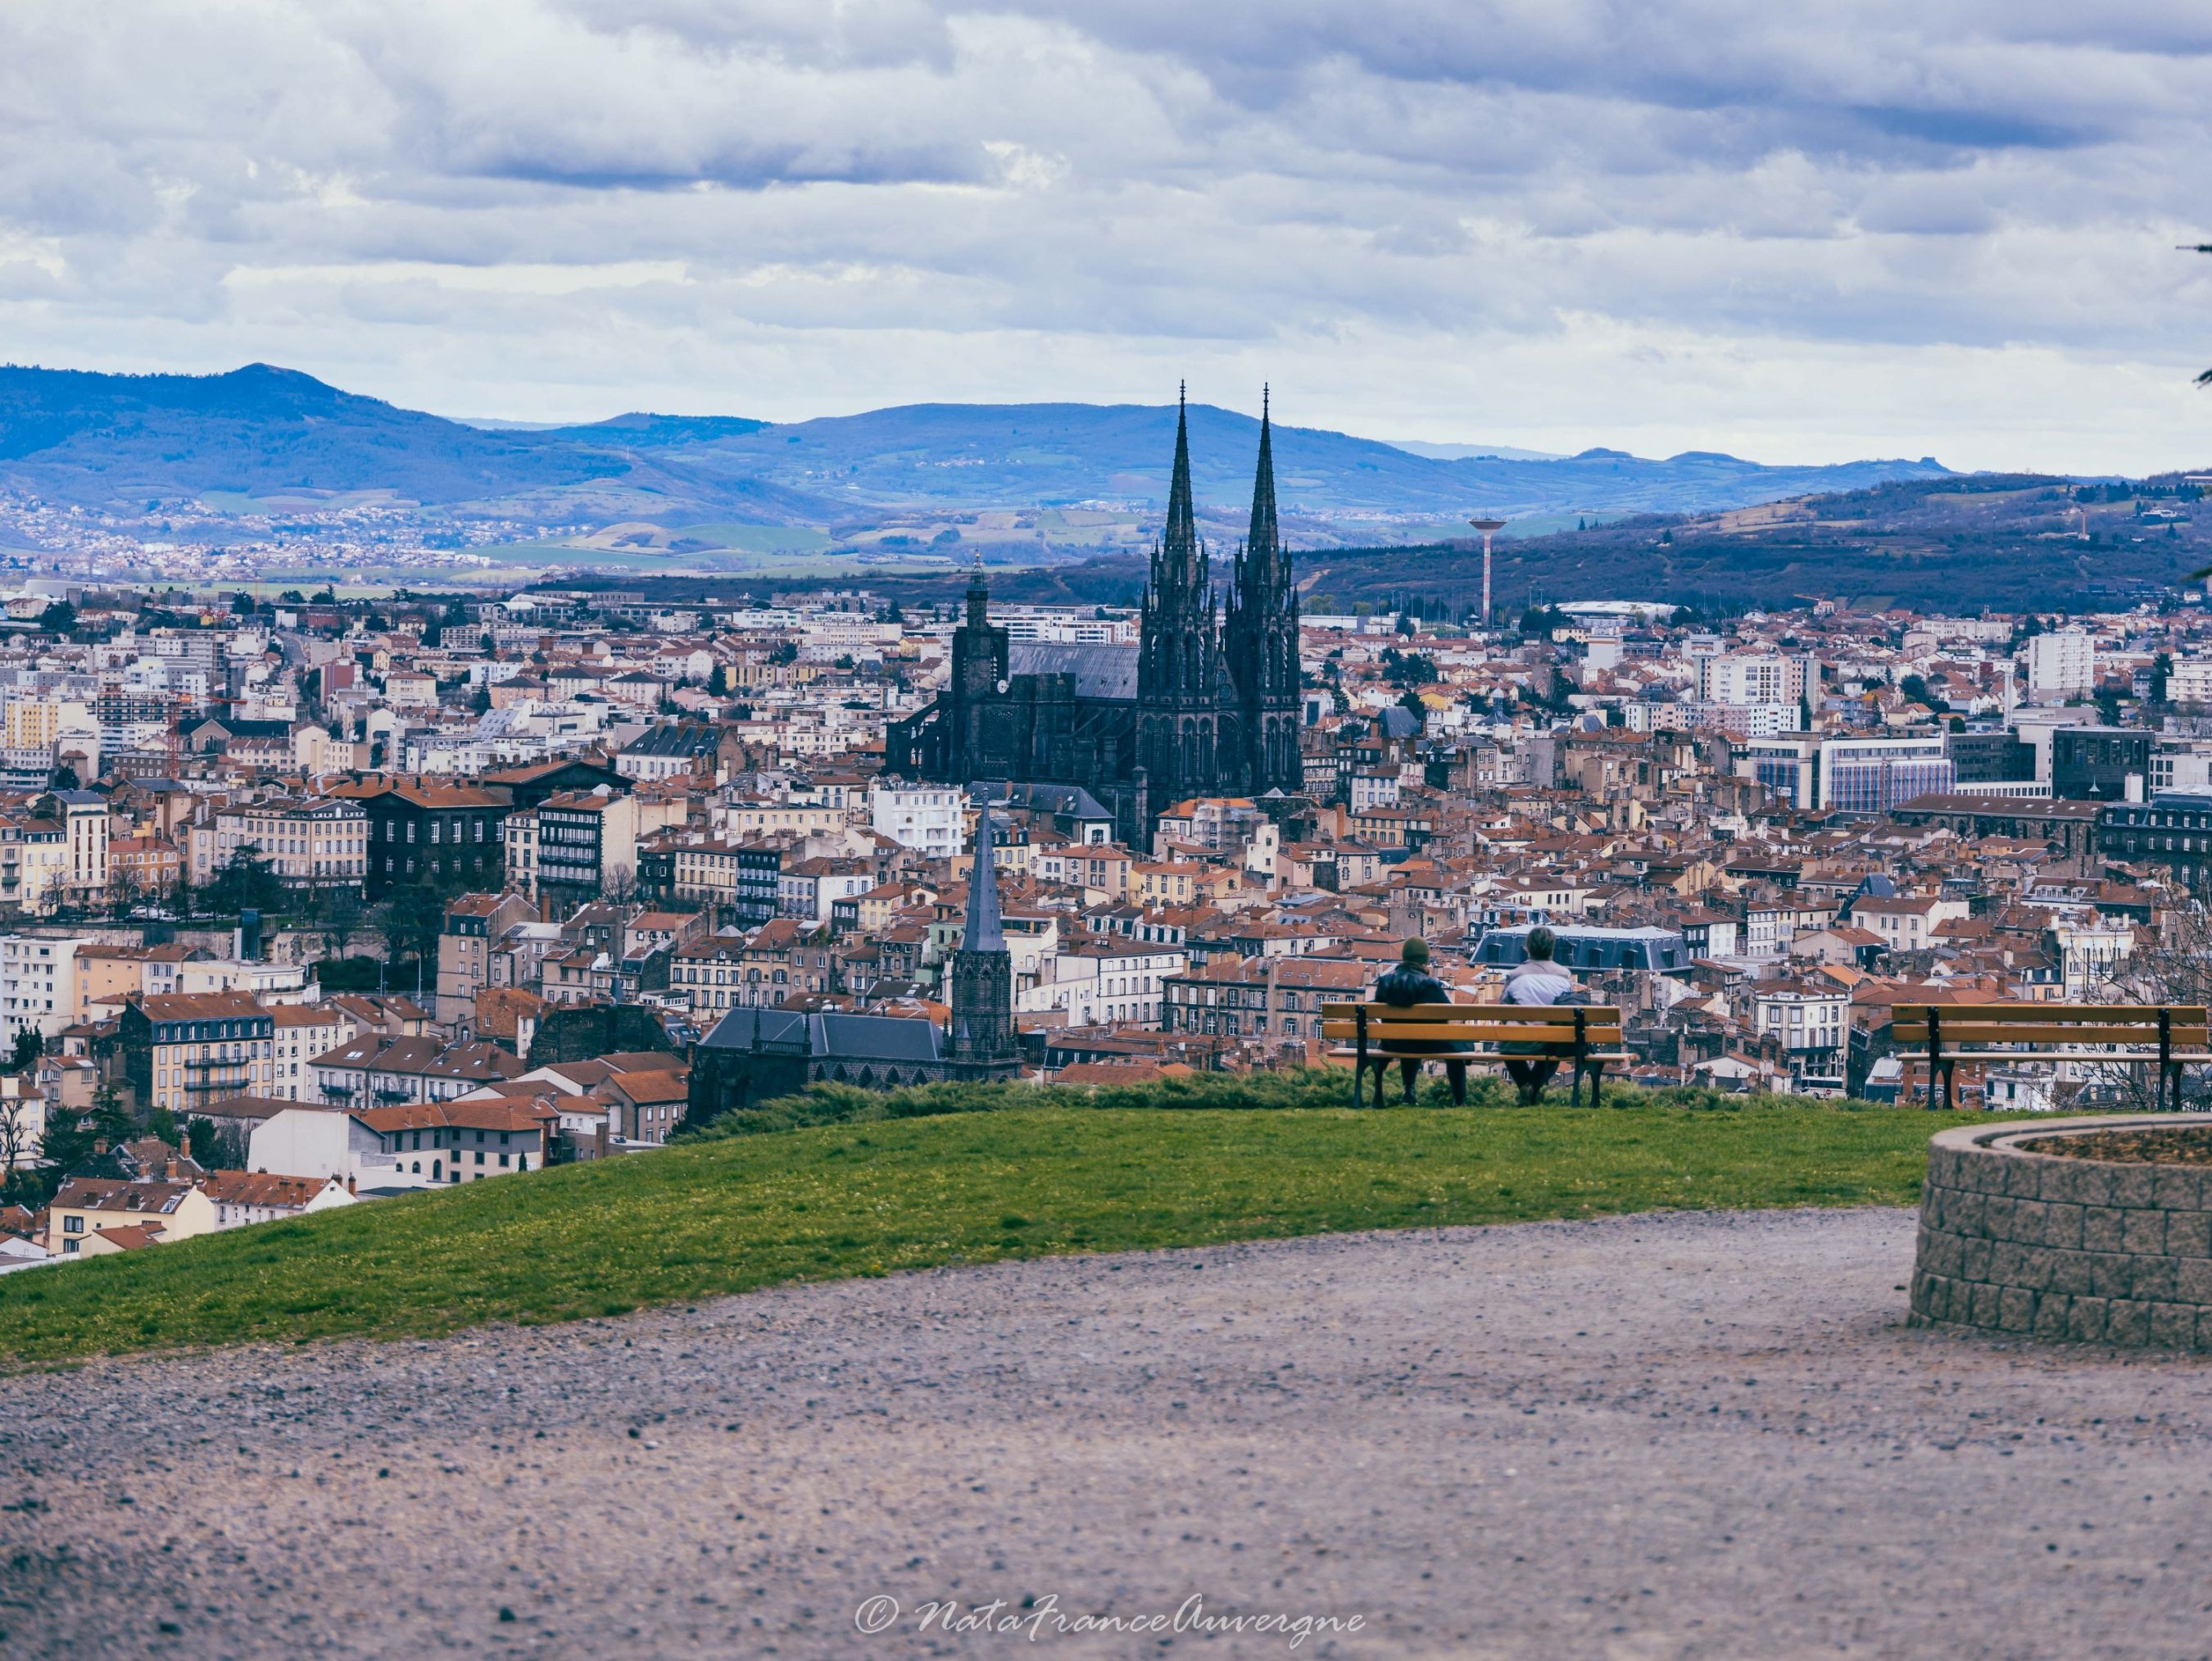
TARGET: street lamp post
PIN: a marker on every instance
(1489, 527)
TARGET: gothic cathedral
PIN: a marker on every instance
(1206, 704)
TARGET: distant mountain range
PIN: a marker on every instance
(137, 444)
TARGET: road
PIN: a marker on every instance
(1686, 1436)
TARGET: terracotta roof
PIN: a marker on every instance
(376, 1007)
(199, 1006)
(132, 1237)
(305, 1014)
(419, 792)
(106, 1194)
(251, 1107)
(421, 1058)
(261, 1187)
(643, 1060)
(486, 1114)
(652, 1086)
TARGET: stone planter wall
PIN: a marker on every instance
(2089, 1250)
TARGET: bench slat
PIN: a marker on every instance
(1437, 1033)
(2117, 1058)
(2025, 1033)
(1346, 1008)
(1480, 1057)
(1916, 1013)
(1564, 1015)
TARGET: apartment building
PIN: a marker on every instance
(587, 846)
(301, 1032)
(38, 985)
(1275, 1001)
(1106, 980)
(444, 832)
(186, 1050)
(137, 1212)
(315, 841)
(742, 881)
(474, 924)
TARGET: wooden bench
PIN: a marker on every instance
(2164, 1036)
(1377, 1034)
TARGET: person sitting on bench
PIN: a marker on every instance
(1539, 980)
(1408, 984)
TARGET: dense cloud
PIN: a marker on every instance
(1799, 233)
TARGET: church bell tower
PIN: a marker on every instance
(983, 1047)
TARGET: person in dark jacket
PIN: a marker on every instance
(1408, 984)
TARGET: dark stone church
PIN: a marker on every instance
(754, 1056)
(1206, 704)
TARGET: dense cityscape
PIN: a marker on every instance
(915, 829)
(316, 901)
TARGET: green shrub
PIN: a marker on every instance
(1290, 1087)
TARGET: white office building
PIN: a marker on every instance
(928, 818)
(2061, 665)
(38, 985)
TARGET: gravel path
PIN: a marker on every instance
(1631, 1438)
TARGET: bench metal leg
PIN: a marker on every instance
(1597, 1081)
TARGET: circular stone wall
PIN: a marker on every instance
(2092, 1251)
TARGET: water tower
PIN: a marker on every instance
(1489, 527)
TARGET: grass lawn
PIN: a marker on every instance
(872, 1198)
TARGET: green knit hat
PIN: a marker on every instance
(1414, 954)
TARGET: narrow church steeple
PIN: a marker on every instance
(981, 976)
(985, 930)
(1180, 538)
(1264, 536)
(1179, 678)
(1261, 638)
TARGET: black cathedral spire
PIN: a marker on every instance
(1261, 638)
(981, 977)
(1265, 537)
(984, 931)
(1178, 679)
(1180, 540)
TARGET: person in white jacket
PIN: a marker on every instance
(1538, 980)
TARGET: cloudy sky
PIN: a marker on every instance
(1797, 232)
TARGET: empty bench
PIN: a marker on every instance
(2165, 1035)
(1377, 1034)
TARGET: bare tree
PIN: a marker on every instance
(340, 916)
(124, 889)
(19, 1131)
(2175, 967)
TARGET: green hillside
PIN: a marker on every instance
(1947, 545)
(872, 1198)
